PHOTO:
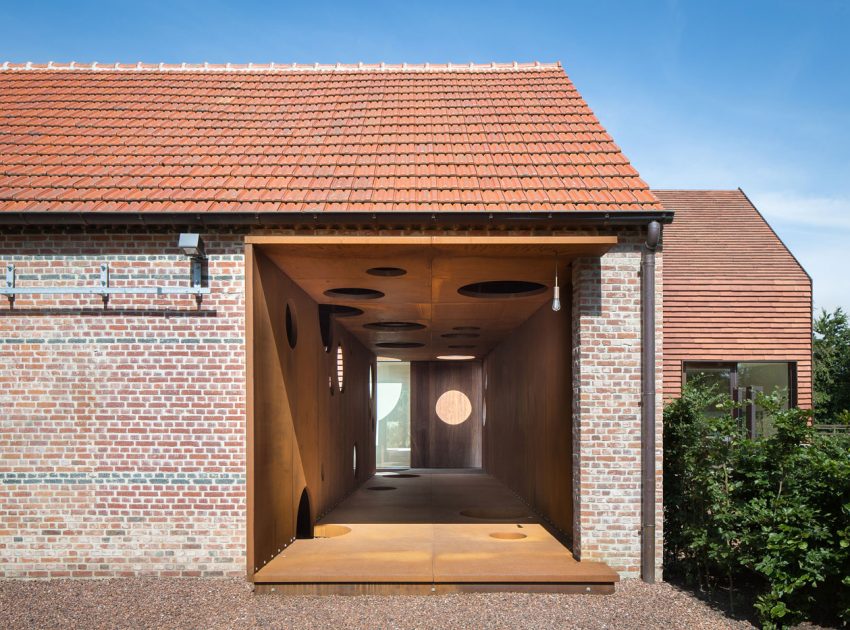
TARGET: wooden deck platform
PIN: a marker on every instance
(437, 531)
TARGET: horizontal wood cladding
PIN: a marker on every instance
(732, 290)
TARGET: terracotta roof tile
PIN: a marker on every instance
(177, 138)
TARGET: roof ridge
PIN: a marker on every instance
(696, 190)
(274, 67)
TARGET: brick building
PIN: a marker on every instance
(167, 411)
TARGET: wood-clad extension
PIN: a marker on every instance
(732, 290)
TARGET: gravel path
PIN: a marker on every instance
(188, 603)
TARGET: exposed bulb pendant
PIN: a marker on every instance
(556, 300)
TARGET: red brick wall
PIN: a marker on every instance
(606, 314)
(122, 434)
(732, 290)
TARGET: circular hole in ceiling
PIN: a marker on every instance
(394, 326)
(330, 531)
(291, 327)
(467, 328)
(380, 488)
(460, 335)
(508, 535)
(462, 346)
(354, 292)
(502, 289)
(455, 357)
(387, 272)
(453, 407)
(400, 344)
(340, 310)
(494, 513)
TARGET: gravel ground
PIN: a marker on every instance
(190, 603)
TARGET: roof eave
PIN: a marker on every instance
(554, 219)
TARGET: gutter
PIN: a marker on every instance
(370, 220)
(647, 403)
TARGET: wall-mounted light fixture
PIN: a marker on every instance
(193, 246)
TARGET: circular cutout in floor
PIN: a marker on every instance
(380, 488)
(386, 272)
(462, 346)
(400, 344)
(460, 335)
(358, 293)
(340, 310)
(392, 326)
(495, 513)
(400, 476)
(466, 328)
(508, 535)
(502, 289)
(330, 531)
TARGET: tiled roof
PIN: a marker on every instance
(178, 138)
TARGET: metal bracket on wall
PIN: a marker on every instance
(10, 282)
(103, 289)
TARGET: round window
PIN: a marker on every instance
(291, 327)
(340, 368)
(453, 407)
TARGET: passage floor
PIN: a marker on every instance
(430, 530)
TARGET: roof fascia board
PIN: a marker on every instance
(366, 219)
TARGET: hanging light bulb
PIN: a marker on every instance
(556, 300)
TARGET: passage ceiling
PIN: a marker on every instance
(446, 321)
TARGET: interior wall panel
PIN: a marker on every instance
(445, 423)
(304, 428)
(527, 431)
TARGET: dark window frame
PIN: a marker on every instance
(733, 370)
(748, 412)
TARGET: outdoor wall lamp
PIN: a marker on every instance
(193, 246)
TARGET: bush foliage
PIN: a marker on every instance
(772, 514)
(831, 363)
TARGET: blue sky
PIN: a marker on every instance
(699, 94)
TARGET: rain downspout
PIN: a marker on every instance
(647, 402)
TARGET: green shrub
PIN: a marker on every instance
(771, 512)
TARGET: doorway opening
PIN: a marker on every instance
(392, 434)
(424, 355)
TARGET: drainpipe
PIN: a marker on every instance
(647, 402)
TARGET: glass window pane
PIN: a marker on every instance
(392, 435)
(718, 377)
(765, 378)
